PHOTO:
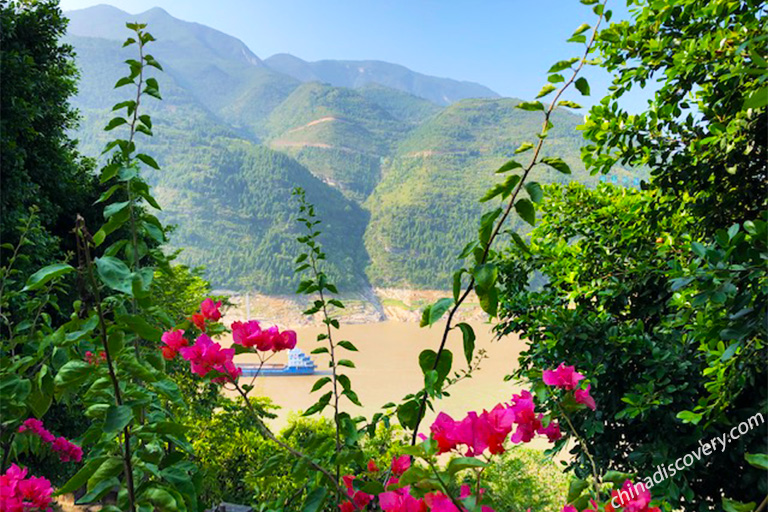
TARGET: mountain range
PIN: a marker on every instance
(394, 160)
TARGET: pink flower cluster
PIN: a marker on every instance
(209, 310)
(359, 500)
(95, 360)
(489, 430)
(250, 334)
(567, 378)
(174, 341)
(21, 494)
(67, 450)
(632, 498)
(206, 355)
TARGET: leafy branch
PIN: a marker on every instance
(483, 276)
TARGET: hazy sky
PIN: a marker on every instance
(505, 45)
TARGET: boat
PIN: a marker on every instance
(299, 363)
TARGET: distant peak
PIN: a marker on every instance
(157, 11)
(101, 8)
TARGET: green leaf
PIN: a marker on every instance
(525, 209)
(320, 383)
(737, 506)
(148, 160)
(485, 275)
(563, 64)
(72, 375)
(110, 468)
(535, 191)
(427, 363)
(114, 123)
(80, 478)
(115, 274)
(757, 99)
(580, 30)
(530, 106)
(348, 345)
(436, 311)
(319, 405)
(407, 414)
(118, 417)
(114, 208)
(462, 463)
(582, 85)
(45, 274)
(468, 338)
(548, 88)
(524, 147)
(617, 477)
(758, 460)
(557, 163)
(575, 489)
(689, 417)
(512, 164)
(346, 362)
(314, 500)
(503, 189)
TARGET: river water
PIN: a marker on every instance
(387, 369)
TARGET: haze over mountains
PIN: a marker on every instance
(395, 160)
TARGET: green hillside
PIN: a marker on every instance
(339, 134)
(426, 207)
(395, 177)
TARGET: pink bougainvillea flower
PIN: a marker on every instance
(210, 309)
(67, 450)
(21, 494)
(206, 355)
(198, 320)
(359, 498)
(570, 508)
(286, 340)
(552, 431)
(526, 419)
(400, 465)
(633, 498)
(565, 377)
(473, 432)
(372, 467)
(246, 333)
(401, 501)
(174, 341)
(499, 420)
(442, 431)
(439, 502)
(582, 396)
(346, 506)
(36, 427)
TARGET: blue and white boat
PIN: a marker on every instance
(299, 363)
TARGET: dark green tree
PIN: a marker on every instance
(40, 163)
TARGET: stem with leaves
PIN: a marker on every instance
(482, 279)
(83, 246)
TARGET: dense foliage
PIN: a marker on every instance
(644, 314)
(41, 166)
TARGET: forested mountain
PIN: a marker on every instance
(394, 175)
(358, 73)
